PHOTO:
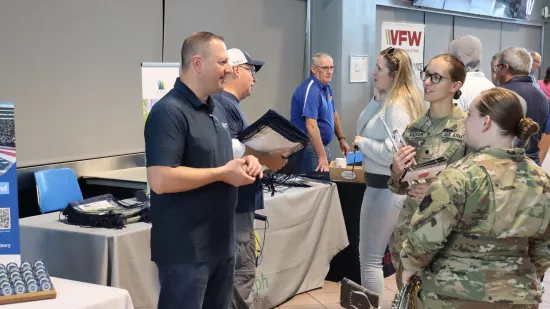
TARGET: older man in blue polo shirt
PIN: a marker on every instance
(312, 110)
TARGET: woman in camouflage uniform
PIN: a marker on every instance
(439, 133)
(480, 237)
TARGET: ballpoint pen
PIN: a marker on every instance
(395, 145)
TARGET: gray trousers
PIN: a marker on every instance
(245, 261)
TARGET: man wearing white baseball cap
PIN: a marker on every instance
(238, 86)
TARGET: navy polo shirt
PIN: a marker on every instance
(251, 196)
(537, 109)
(197, 225)
(314, 100)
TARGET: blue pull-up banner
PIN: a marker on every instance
(9, 212)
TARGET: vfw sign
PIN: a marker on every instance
(409, 37)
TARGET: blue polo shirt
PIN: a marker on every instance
(251, 196)
(537, 109)
(314, 100)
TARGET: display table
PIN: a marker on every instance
(345, 264)
(306, 229)
(134, 178)
(118, 258)
(80, 295)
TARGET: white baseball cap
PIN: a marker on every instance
(238, 57)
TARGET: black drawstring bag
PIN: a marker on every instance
(104, 211)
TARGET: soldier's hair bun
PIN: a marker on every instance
(526, 128)
(507, 109)
(457, 95)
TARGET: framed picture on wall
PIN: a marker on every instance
(358, 68)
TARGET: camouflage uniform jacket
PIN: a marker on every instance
(481, 233)
(430, 142)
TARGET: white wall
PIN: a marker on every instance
(72, 68)
(273, 31)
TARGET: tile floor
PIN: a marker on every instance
(329, 296)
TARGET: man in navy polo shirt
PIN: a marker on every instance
(512, 71)
(238, 86)
(193, 179)
(312, 110)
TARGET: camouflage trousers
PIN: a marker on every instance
(396, 242)
(399, 234)
(455, 303)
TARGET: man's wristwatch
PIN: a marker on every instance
(341, 138)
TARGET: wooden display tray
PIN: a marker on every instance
(21, 298)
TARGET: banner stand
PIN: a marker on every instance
(10, 248)
(157, 78)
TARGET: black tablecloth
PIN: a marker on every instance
(346, 263)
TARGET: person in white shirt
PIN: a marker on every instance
(468, 49)
(400, 101)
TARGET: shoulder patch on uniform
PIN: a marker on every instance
(425, 203)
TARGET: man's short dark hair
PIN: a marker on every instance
(196, 44)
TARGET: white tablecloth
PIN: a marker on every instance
(117, 258)
(306, 230)
(80, 295)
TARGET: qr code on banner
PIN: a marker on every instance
(5, 223)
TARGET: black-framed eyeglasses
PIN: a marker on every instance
(435, 78)
(251, 70)
(390, 50)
